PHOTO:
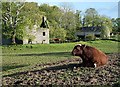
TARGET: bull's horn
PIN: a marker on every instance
(80, 44)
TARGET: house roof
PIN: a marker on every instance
(90, 29)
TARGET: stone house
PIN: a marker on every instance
(84, 31)
(36, 35)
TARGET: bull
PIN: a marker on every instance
(91, 56)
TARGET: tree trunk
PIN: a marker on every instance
(13, 37)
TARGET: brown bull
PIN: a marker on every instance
(91, 56)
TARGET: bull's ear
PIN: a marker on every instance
(84, 45)
(78, 47)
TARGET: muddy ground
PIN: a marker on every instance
(70, 72)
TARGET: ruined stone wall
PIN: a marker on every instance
(39, 36)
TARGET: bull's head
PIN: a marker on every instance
(78, 50)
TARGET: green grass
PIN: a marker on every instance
(21, 58)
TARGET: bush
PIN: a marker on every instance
(105, 32)
(58, 33)
(90, 37)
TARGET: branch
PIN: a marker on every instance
(5, 18)
(21, 7)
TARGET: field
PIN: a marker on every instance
(23, 58)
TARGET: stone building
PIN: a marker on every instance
(84, 31)
(39, 34)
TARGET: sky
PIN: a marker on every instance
(103, 7)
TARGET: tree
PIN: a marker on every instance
(69, 24)
(57, 33)
(32, 14)
(66, 6)
(78, 20)
(116, 25)
(11, 18)
(106, 25)
(68, 20)
(91, 16)
(106, 21)
(105, 32)
(17, 16)
(53, 14)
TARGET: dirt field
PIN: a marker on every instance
(69, 72)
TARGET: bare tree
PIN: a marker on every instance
(11, 18)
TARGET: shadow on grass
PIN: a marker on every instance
(112, 40)
(8, 67)
(60, 67)
(47, 54)
(56, 67)
(65, 54)
(60, 54)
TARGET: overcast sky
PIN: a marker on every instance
(104, 7)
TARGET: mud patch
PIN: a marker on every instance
(69, 72)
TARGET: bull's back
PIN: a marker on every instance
(100, 57)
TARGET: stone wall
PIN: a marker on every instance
(41, 35)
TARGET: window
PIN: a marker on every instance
(43, 33)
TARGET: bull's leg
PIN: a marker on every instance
(84, 62)
(87, 63)
(90, 64)
(95, 65)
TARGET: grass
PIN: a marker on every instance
(25, 57)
